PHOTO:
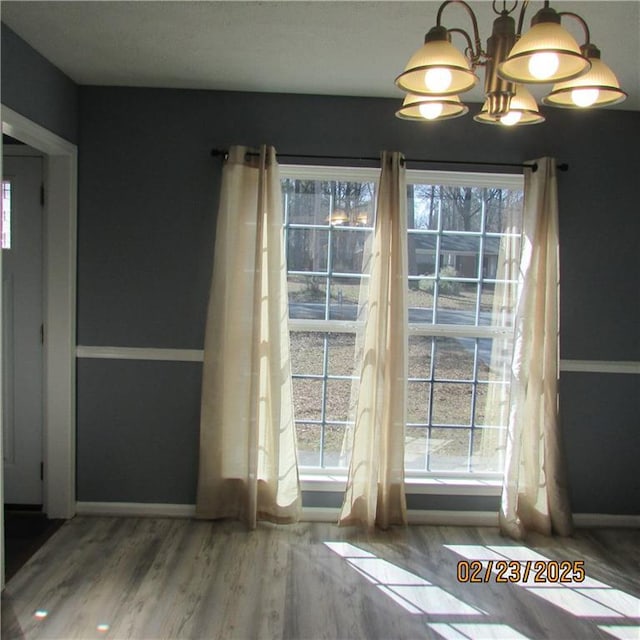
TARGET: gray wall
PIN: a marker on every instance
(36, 89)
(148, 193)
(147, 202)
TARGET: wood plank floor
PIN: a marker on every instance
(151, 579)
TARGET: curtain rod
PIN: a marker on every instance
(561, 167)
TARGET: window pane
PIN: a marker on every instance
(421, 249)
(462, 208)
(494, 359)
(309, 438)
(306, 201)
(418, 402)
(338, 399)
(423, 206)
(451, 404)
(449, 449)
(345, 296)
(341, 354)
(348, 248)
(488, 450)
(497, 303)
(454, 358)
(307, 297)
(307, 399)
(307, 352)
(459, 254)
(415, 448)
(487, 298)
(457, 302)
(492, 405)
(420, 298)
(333, 442)
(307, 250)
(504, 211)
(490, 255)
(353, 203)
(420, 357)
(324, 202)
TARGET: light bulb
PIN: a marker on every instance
(584, 97)
(438, 79)
(543, 65)
(430, 110)
(511, 118)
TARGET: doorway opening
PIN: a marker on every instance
(59, 167)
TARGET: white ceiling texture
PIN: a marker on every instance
(352, 48)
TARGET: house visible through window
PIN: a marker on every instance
(463, 246)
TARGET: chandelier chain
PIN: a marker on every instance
(504, 11)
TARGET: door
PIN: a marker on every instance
(22, 330)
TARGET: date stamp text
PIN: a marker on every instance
(536, 571)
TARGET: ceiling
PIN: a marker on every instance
(352, 48)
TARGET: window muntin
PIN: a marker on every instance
(463, 240)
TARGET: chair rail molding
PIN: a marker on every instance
(197, 355)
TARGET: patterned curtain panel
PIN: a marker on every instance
(248, 467)
(535, 496)
(375, 486)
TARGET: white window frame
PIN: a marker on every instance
(416, 482)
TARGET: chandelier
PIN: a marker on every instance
(547, 53)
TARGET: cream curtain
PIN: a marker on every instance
(375, 486)
(534, 495)
(248, 467)
(496, 404)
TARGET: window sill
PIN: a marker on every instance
(451, 486)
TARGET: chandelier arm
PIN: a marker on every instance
(523, 9)
(477, 52)
(581, 20)
(472, 55)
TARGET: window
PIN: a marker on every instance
(329, 218)
(463, 241)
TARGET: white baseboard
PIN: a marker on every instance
(595, 520)
(415, 516)
(453, 518)
(140, 353)
(135, 509)
(159, 510)
(309, 514)
(331, 514)
(320, 514)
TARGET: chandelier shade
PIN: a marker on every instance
(598, 87)
(431, 108)
(546, 53)
(522, 110)
(437, 68)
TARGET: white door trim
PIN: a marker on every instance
(59, 284)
